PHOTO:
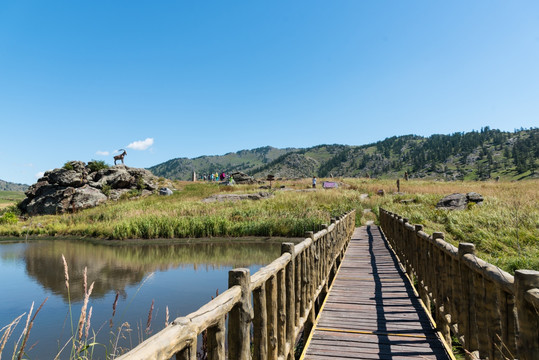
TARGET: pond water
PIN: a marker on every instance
(180, 276)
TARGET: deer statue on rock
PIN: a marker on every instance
(120, 156)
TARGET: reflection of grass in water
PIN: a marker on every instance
(119, 266)
(83, 339)
(159, 257)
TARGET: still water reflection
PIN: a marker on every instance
(180, 276)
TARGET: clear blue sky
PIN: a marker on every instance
(79, 79)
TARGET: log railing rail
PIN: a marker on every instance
(286, 296)
(494, 315)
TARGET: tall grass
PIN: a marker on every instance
(182, 215)
(505, 228)
(19, 348)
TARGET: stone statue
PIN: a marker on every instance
(120, 156)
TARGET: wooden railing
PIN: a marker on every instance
(286, 296)
(493, 314)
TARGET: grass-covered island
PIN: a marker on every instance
(505, 228)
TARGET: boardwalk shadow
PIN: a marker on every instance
(391, 345)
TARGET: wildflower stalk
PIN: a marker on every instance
(29, 328)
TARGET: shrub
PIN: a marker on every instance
(140, 183)
(131, 194)
(96, 165)
(9, 218)
(12, 209)
(106, 189)
(68, 166)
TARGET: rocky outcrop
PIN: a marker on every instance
(242, 178)
(77, 186)
(459, 201)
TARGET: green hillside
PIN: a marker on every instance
(9, 186)
(244, 160)
(476, 155)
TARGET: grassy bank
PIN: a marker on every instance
(505, 228)
(288, 213)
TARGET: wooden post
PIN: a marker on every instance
(408, 250)
(239, 323)
(492, 310)
(290, 296)
(304, 283)
(189, 352)
(481, 315)
(528, 316)
(508, 314)
(271, 303)
(281, 306)
(260, 324)
(431, 271)
(298, 286)
(442, 321)
(216, 341)
(422, 284)
(466, 327)
(324, 255)
(311, 271)
(311, 315)
(454, 290)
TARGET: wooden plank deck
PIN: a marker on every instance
(371, 311)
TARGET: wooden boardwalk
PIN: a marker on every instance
(371, 311)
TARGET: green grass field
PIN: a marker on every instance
(8, 198)
(505, 228)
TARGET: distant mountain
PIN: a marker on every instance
(9, 186)
(244, 160)
(476, 155)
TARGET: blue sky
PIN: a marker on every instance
(167, 79)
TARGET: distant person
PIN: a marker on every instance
(314, 182)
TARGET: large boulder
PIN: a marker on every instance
(115, 178)
(165, 191)
(51, 200)
(242, 178)
(122, 177)
(459, 201)
(33, 189)
(87, 197)
(237, 197)
(65, 177)
(76, 186)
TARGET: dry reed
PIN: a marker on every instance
(9, 329)
(66, 272)
(149, 322)
(29, 328)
